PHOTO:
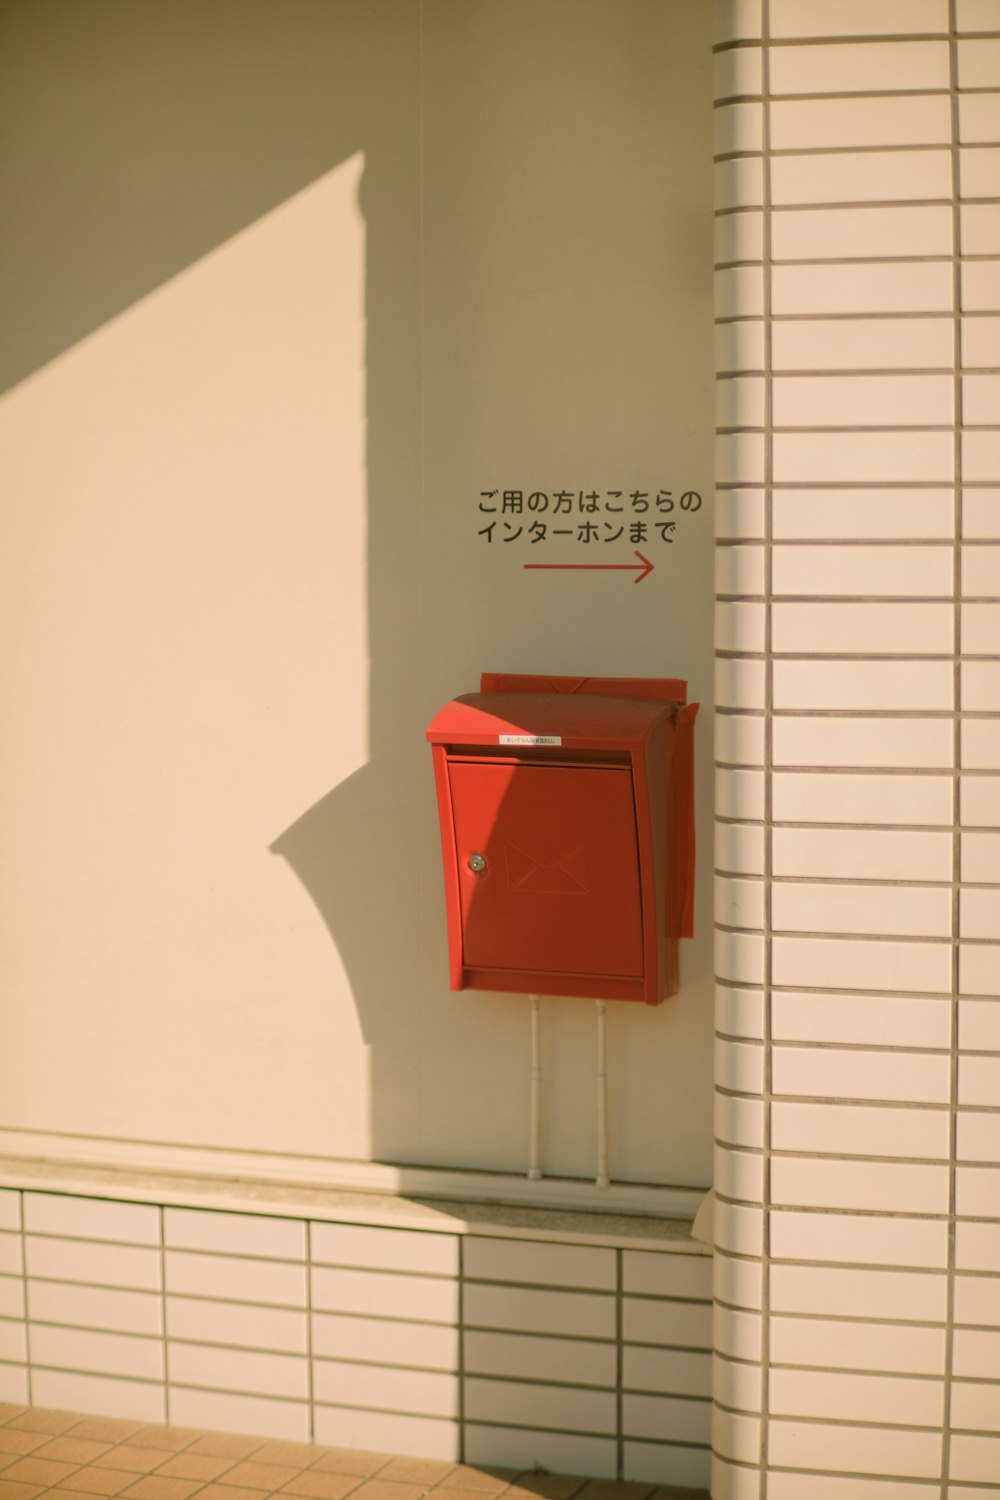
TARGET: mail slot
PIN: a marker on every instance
(567, 832)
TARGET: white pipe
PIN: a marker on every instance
(535, 1146)
(603, 1180)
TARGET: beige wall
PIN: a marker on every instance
(290, 286)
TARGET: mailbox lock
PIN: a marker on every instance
(477, 863)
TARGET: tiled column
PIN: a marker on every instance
(858, 740)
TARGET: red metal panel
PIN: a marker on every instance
(560, 892)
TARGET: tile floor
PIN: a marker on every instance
(79, 1458)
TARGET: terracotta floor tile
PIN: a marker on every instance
(152, 1487)
(193, 1466)
(425, 1471)
(351, 1461)
(8, 1411)
(454, 1493)
(683, 1492)
(15, 1440)
(65, 1493)
(261, 1476)
(72, 1450)
(321, 1485)
(39, 1471)
(387, 1489)
(13, 1491)
(547, 1486)
(227, 1492)
(226, 1445)
(466, 1477)
(134, 1459)
(94, 1481)
(35, 1419)
(616, 1489)
(105, 1429)
(171, 1438)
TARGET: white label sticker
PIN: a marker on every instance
(529, 739)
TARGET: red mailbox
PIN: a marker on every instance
(567, 829)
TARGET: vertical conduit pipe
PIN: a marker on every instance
(535, 1146)
(603, 1180)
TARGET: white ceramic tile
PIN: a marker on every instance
(739, 1121)
(978, 1194)
(519, 1356)
(977, 1247)
(739, 848)
(739, 570)
(977, 1300)
(739, 513)
(740, 237)
(388, 1432)
(875, 287)
(911, 1296)
(739, 458)
(739, 292)
(518, 1447)
(872, 1450)
(844, 741)
(860, 571)
(739, 738)
(980, 801)
(238, 1370)
(685, 1325)
(13, 1341)
(861, 233)
(738, 1283)
(737, 73)
(914, 911)
(892, 854)
(981, 565)
(978, 1137)
(237, 1279)
(666, 1275)
(981, 688)
(854, 18)
(979, 116)
(11, 1297)
(426, 1299)
(902, 1076)
(739, 1012)
(739, 794)
(859, 1398)
(857, 1346)
(377, 1249)
(865, 1239)
(981, 512)
(978, 63)
(673, 1464)
(421, 1392)
(837, 1129)
(738, 1174)
(738, 1334)
(234, 1234)
(981, 858)
(856, 965)
(95, 1307)
(980, 230)
(512, 1309)
(895, 1187)
(739, 903)
(858, 343)
(859, 515)
(976, 1353)
(869, 457)
(738, 182)
(916, 686)
(97, 1353)
(736, 20)
(787, 1485)
(975, 1407)
(666, 1371)
(667, 1417)
(980, 739)
(732, 1483)
(101, 1395)
(979, 1020)
(14, 1384)
(975, 15)
(981, 453)
(980, 286)
(980, 342)
(821, 797)
(738, 127)
(857, 68)
(979, 171)
(886, 120)
(739, 1066)
(429, 1346)
(92, 1218)
(259, 1416)
(244, 1327)
(874, 1020)
(739, 684)
(525, 1404)
(11, 1261)
(862, 177)
(489, 1259)
(863, 400)
(739, 402)
(123, 1266)
(738, 1385)
(10, 1209)
(978, 1080)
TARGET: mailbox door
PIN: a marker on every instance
(560, 890)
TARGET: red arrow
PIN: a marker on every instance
(643, 568)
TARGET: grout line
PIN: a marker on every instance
(161, 1216)
(619, 1367)
(24, 1291)
(310, 1366)
(461, 1374)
